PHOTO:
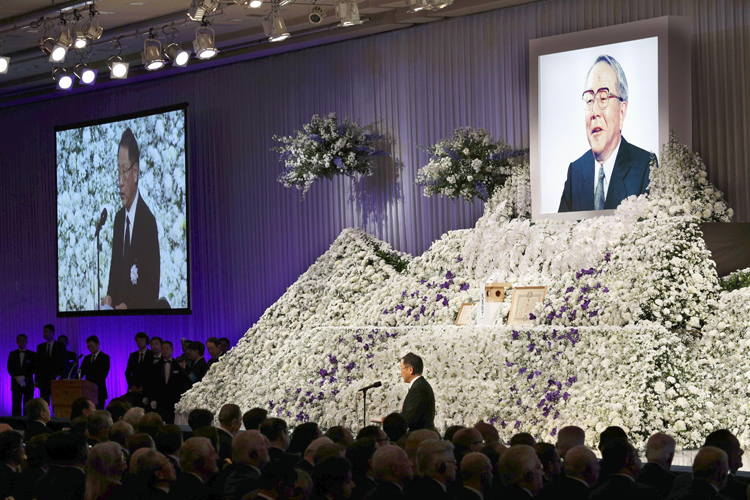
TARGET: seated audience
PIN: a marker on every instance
(465, 441)
(153, 475)
(249, 457)
(212, 434)
(551, 464)
(225, 344)
(308, 460)
(660, 450)
(150, 423)
(393, 472)
(376, 432)
(359, 455)
(37, 411)
(520, 472)
(230, 421)
(82, 407)
(198, 463)
(279, 480)
(138, 441)
(581, 475)
(522, 438)
(303, 435)
(66, 478)
(327, 451)
(200, 418)
(11, 458)
(105, 466)
(710, 476)
(332, 479)
(340, 435)
(168, 442)
(37, 465)
(395, 427)
(120, 432)
(303, 486)
(476, 475)
(623, 462)
(568, 438)
(97, 429)
(415, 440)
(451, 431)
(118, 408)
(133, 416)
(488, 432)
(609, 434)
(436, 466)
(275, 430)
(253, 418)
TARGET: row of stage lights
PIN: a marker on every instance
(154, 57)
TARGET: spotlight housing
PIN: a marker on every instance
(418, 5)
(316, 15)
(255, 4)
(92, 30)
(80, 41)
(61, 46)
(86, 75)
(4, 64)
(440, 4)
(348, 12)
(151, 55)
(63, 79)
(203, 45)
(118, 70)
(47, 45)
(177, 55)
(275, 28)
(199, 8)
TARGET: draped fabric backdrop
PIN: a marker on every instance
(250, 237)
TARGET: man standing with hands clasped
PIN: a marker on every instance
(95, 368)
(21, 368)
(419, 405)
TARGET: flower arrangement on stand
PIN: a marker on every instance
(325, 148)
(469, 165)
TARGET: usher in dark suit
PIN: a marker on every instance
(49, 367)
(167, 393)
(137, 372)
(143, 253)
(96, 371)
(21, 395)
(629, 177)
(419, 406)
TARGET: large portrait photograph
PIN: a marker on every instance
(598, 125)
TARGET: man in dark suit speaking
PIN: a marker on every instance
(419, 405)
(135, 265)
(612, 169)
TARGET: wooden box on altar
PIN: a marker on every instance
(64, 392)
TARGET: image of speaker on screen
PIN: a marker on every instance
(135, 265)
(612, 169)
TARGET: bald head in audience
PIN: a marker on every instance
(5, 427)
(660, 450)
(488, 432)
(390, 463)
(476, 473)
(520, 467)
(712, 466)
(435, 460)
(251, 448)
(415, 439)
(582, 464)
(569, 437)
(312, 448)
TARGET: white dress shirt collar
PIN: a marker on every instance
(609, 166)
(414, 380)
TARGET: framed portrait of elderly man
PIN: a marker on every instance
(602, 102)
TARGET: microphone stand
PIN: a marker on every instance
(98, 282)
(364, 408)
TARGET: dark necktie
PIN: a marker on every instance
(49, 350)
(126, 250)
(140, 358)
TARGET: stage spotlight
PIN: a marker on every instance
(86, 75)
(47, 44)
(203, 45)
(4, 64)
(316, 15)
(92, 30)
(118, 70)
(275, 28)
(80, 41)
(60, 49)
(255, 4)
(199, 8)
(63, 79)
(348, 12)
(178, 56)
(151, 55)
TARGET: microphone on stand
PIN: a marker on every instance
(99, 225)
(74, 367)
(364, 399)
(102, 220)
(373, 386)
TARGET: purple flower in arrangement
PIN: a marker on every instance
(571, 381)
(464, 287)
(554, 432)
(518, 424)
(557, 414)
(416, 317)
(271, 404)
(518, 403)
(531, 347)
(445, 302)
(339, 163)
(508, 363)
(403, 294)
(316, 138)
(423, 281)
(585, 304)
(334, 392)
(482, 190)
(422, 309)
(570, 289)
(385, 311)
(424, 299)
(445, 285)
(606, 290)
(565, 396)
(607, 256)
(532, 316)
(459, 259)
(522, 370)
(350, 367)
(515, 335)
(593, 313)
(449, 275)
(438, 297)
(400, 307)
(408, 313)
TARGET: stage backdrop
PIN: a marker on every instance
(251, 237)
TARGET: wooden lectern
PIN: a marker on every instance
(64, 392)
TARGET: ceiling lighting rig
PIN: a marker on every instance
(179, 56)
(118, 70)
(348, 12)
(199, 8)
(4, 62)
(274, 25)
(152, 56)
(424, 5)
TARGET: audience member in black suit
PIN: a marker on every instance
(150, 423)
(729, 444)
(308, 459)
(99, 424)
(465, 441)
(277, 481)
(436, 466)
(199, 418)
(139, 369)
(249, 457)
(198, 366)
(710, 476)
(37, 464)
(21, 368)
(303, 435)
(659, 452)
(419, 404)
(568, 438)
(37, 411)
(522, 438)
(359, 455)
(70, 361)
(168, 442)
(393, 472)
(332, 479)
(66, 478)
(277, 433)
(230, 421)
(169, 382)
(198, 463)
(624, 464)
(214, 349)
(581, 475)
(253, 418)
(50, 362)
(152, 475)
(551, 465)
(119, 433)
(488, 432)
(476, 476)
(95, 368)
(104, 468)
(521, 473)
(451, 431)
(340, 435)
(118, 408)
(414, 441)
(374, 432)
(11, 457)
(395, 427)
(138, 441)
(82, 407)
(609, 434)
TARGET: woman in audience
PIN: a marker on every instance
(105, 466)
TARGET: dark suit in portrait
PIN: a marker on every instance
(236, 481)
(96, 371)
(621, 487)
(143, 253)
(49, 367)
(168, 383)
(225, 445)
(629, 177)
(515, 492)
(419, 406)
(25, 369)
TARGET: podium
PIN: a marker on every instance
(64, 392)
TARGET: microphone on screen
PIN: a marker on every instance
(102, 220)
(373, 386)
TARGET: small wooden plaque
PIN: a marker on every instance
(464, 314)
(525, 298)
(495, 292)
